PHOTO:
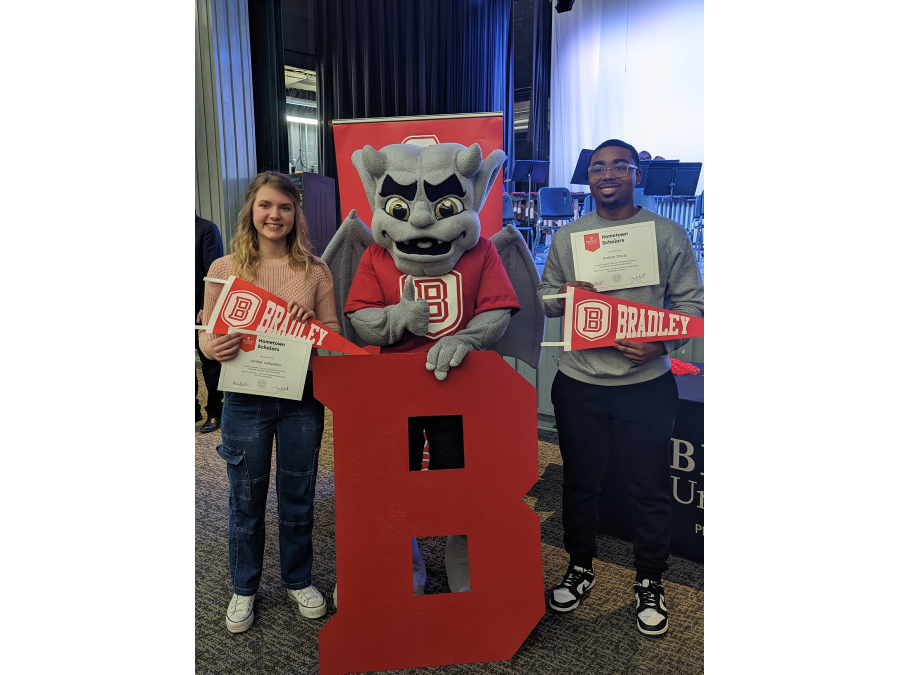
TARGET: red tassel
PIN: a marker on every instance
(683, 368)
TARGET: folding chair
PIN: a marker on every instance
(509, 216)
(553, 204)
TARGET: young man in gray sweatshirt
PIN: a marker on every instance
(622, 398)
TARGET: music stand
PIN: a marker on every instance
(580, 175)
(673, 180)
(530, 170)
(643, 166)
(687, 177)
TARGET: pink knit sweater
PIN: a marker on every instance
(315, 291)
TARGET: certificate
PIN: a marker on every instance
(267, 365)
(617, 257)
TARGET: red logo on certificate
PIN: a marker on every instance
(248, 343)
(592, 242)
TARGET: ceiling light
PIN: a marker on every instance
(303, 120)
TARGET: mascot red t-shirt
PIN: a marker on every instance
(477, 284)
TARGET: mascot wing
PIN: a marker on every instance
(522, 339)
(342, 255)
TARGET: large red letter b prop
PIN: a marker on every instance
(380, 505)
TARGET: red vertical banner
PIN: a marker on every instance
(486, 129)
(380, 505)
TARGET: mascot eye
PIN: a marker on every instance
(397, 208)
(448, 206)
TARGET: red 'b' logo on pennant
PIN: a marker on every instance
(592, 319)
(592, 242)
(241, 308)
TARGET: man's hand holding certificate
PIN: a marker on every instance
(617, 257)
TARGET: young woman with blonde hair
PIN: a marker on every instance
(271, 249)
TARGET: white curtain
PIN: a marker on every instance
(627, 69)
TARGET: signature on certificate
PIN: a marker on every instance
(282, 389)
(240, 384)
(638, 277)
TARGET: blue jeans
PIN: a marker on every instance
(249, 423)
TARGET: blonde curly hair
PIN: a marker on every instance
(244, 244)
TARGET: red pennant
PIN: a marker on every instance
(596, 320)
(242, 305)
(592, 242)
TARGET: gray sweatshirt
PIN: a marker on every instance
(680, 290)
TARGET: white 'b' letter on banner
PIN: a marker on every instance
(592, 320)
(595, 320)
(240, 310)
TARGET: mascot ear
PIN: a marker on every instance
(374, 161)
(468, 161)
(371, 165)
(484, 175)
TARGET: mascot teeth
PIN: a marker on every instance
(424, 244)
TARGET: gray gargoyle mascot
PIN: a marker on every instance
(424, 279)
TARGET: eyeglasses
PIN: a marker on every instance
(618, 170)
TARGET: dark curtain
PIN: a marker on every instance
(269, 96)
(509, 127)
(538, 120)
(392, 58)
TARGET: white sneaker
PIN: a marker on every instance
(312, 604)
(239, 616)
(652, 616)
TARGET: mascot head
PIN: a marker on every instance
(425, 201)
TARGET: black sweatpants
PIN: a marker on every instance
(210, 369)
(635, 421)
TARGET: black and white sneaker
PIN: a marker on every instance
(652, 617)
(567, 596)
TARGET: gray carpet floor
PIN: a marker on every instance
(598, 638)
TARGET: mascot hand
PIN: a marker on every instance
(448, 353)
(412, 314)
